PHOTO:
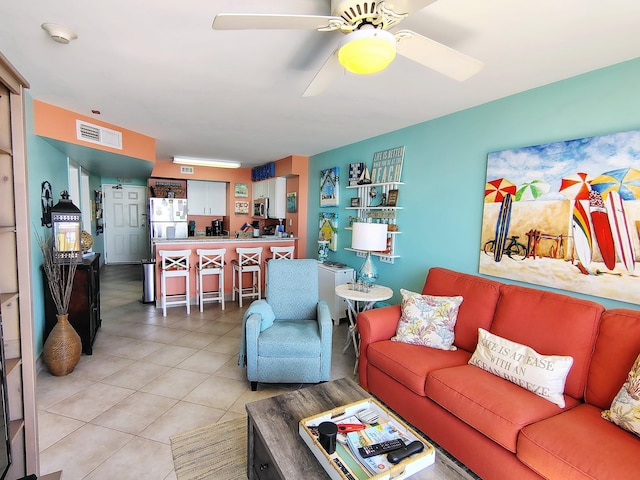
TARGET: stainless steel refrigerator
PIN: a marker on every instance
(168, 218)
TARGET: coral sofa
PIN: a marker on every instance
(499, 429)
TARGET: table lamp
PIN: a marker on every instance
(368, 237)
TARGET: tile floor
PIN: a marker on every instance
(148, 379)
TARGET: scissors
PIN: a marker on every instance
(350, 427)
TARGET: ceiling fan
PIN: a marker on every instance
(369, 44)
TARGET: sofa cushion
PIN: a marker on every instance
(409, 364)
(552, 324)
(579, 444)
(493, 406)
(480, 299)
(543, 375)
(427, 320)
(625, 409)
(617, 346)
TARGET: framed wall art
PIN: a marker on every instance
(329, 229)
(241, 190)
(292, 202)
(329, 187)
(241, 208)
(566, 215)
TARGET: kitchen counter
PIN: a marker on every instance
(230, 244)
(222, 239)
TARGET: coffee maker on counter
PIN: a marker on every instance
(216, 226)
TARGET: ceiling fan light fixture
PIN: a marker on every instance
(206, 162)
(367, 51)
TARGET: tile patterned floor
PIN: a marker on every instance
(150, 377)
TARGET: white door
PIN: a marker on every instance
(125, 223)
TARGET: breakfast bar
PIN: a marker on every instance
(175, 285)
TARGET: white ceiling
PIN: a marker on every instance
(158, 68)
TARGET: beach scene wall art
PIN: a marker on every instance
(566, 215)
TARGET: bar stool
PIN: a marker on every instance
(175, 263)
(210, 262)
(249, 260)
(277, 253)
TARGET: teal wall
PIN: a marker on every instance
(44, 163)
(444, 170)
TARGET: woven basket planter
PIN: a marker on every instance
(63, 348)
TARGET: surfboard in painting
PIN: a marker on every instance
(602, 229)
(582, 240)
(502, 226)
(621, 236)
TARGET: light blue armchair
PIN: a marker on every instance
(297, 347)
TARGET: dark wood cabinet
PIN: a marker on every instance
(84, 308)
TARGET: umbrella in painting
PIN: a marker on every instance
(495, 190)
(576, 186)
(531, 190)
(625, 181)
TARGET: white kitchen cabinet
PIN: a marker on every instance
(275, 189)
(329, 277)
(206, 198)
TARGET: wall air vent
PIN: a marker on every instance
(100, 135)
(187, 170)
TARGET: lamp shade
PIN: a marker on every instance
(368, 50)
(370, 237)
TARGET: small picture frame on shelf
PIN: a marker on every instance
(392, 198)
(355, 201)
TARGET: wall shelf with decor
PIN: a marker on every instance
(377, 202)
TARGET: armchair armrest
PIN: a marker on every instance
(374, 326)
(251, 332)
(325, 326)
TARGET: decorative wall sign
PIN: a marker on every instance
(329, 229)
(566, 215)
(387, 165)
(329, 187)
(292, 202)
(241, 190)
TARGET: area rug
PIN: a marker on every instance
(219, 452)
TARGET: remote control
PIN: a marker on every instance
(402, 453)
(380, 448)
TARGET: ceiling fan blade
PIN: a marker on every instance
(269, 21)
(407, 6)
(436, 56)
(325, 76)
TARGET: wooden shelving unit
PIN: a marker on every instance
(15, 282)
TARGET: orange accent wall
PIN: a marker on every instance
(60, 124)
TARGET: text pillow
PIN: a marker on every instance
(625, 409)
(427, 320)
(544, 375)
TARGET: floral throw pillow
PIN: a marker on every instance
(427, 320)
(625, 409)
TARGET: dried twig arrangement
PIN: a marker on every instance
(59, 275)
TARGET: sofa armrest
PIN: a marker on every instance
(374, 326)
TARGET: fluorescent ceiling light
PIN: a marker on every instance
(206, 162)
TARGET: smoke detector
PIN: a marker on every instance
(58, 33)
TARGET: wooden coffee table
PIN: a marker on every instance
(275, 449)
